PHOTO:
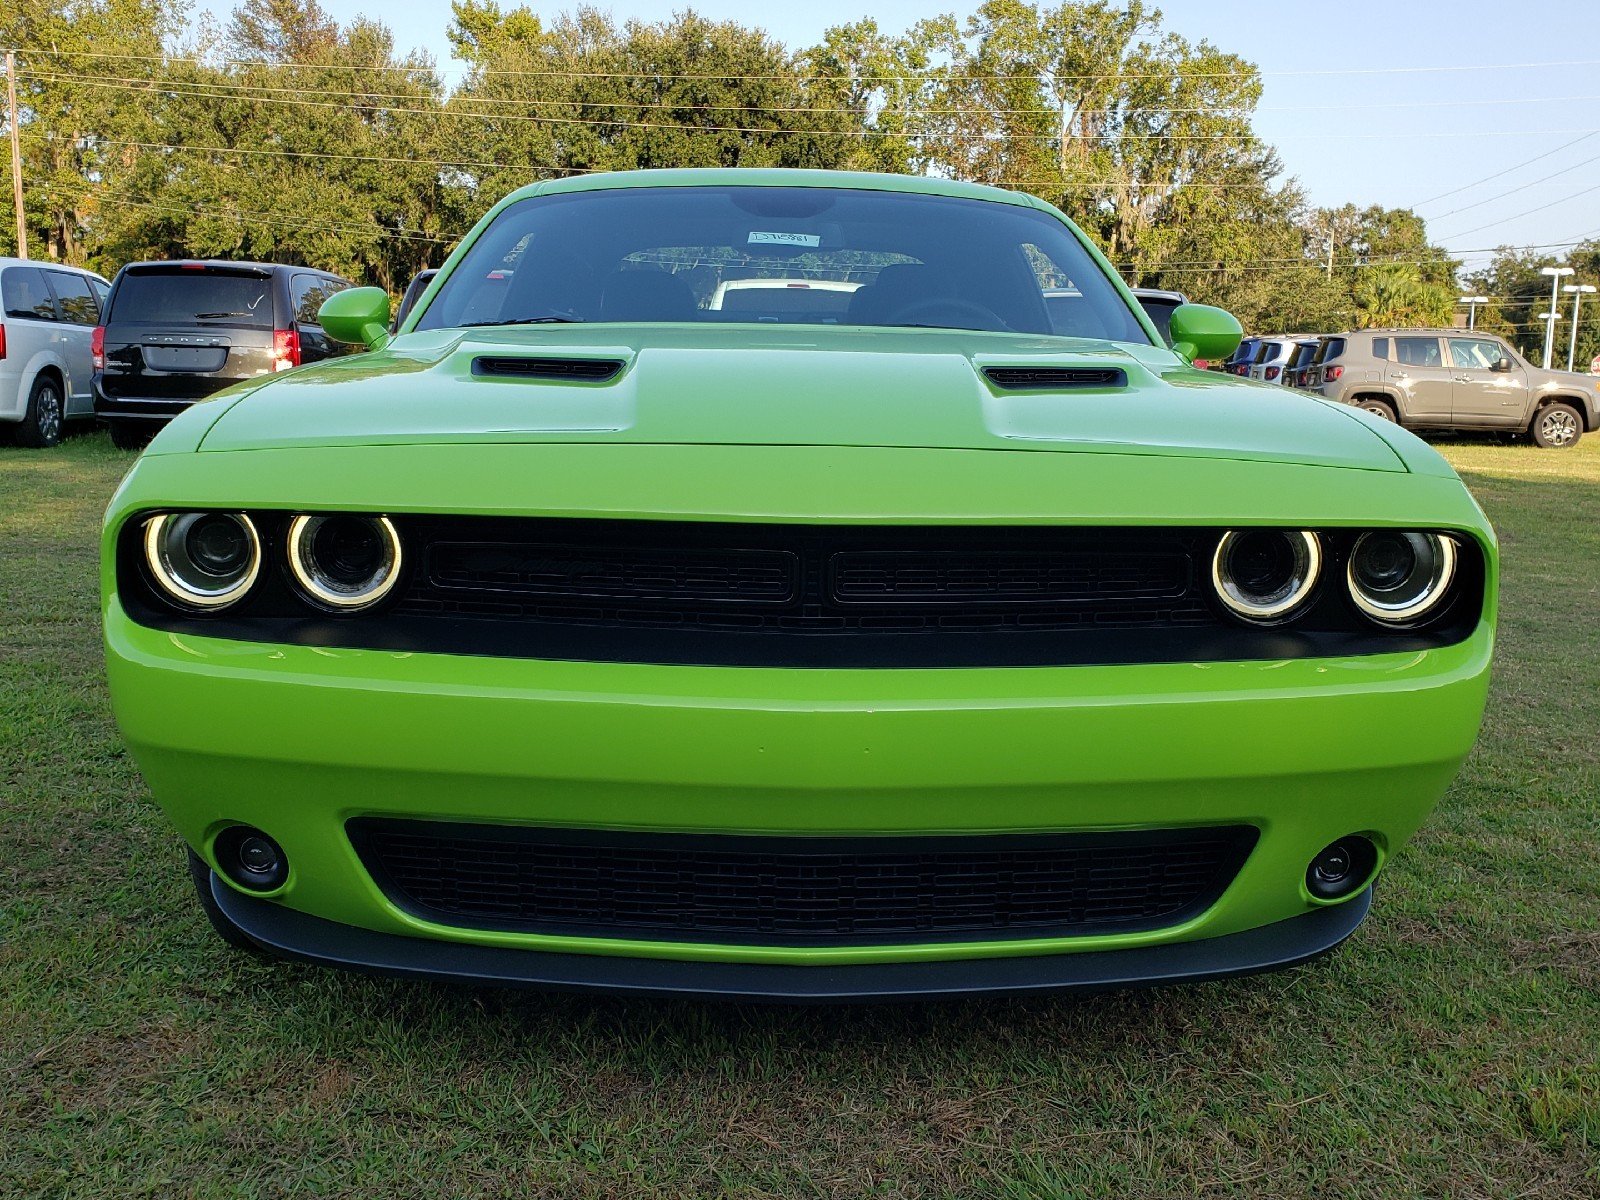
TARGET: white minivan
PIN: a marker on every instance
(50, 313)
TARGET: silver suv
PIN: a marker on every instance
(1453, 379)
(45, 361)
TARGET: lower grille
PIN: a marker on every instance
(799, 891)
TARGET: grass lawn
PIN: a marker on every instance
(1452, 1048)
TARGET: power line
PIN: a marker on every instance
(1505, 171)
(1513, 191)
(1526, 212)
(844, 77)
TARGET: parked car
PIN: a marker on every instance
(413, 293)
(637, 648)
(1298, 372)
(776, 298)
(1159, 303)
(1244, 355)
(177, 332)
(1271, 357)
(1456, 379)
(50, 312)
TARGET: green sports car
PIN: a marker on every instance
(799, 585)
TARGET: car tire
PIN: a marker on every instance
(1556, 427)
(1381, 409)
(46, 415)
(129, 435)
(225, 929)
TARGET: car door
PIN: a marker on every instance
(32, 325)
(1483, 395)
(306, 295)
(80, 313)
(1426, 384)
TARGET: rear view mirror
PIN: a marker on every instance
(1201, 331)
(357, 316)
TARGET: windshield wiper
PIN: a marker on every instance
(218, 316)
(552, 319)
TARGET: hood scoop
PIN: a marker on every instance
(1033, 379)
(571, 370)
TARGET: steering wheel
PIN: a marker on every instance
(987, 318)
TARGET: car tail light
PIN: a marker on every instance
(285, 349)
(1331, 374)
(1272, 372)
(1302, 378)
(97, 348)
(2, 341)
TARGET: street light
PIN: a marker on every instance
(1578, 291)
(1555, 274)
(1472, 303)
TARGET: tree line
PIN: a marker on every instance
(280, 133)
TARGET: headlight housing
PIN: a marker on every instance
(1266, 575)
(202, 560)
(344, 562)
(1399, 576)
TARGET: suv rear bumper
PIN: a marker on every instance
(137, 408)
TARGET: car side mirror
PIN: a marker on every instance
(1201, 331)
(358, 316)
(1501, 364)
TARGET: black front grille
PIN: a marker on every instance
(796, 890)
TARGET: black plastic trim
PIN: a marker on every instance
(295, 935)
(576, 370)
(1051, 379)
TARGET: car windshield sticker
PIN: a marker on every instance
(785, 239)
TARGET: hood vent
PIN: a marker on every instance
(578, 370)
(1055, 378)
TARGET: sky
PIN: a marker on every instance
(1483, 116)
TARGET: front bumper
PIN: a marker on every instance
(299, 740)
(289, 934)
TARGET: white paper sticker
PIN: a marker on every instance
(785, 239)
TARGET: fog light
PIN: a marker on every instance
(251, 859)
(1342, 868)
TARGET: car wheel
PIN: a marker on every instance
(225, 929)
(127, 435)
(46, 415)
(1381, 409)
(1557, 427)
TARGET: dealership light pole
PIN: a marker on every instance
(1555, 274)
(1578, 291)
(1472, 303)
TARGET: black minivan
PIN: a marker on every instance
(176, 332)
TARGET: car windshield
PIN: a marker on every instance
(187, 296)
(782, 255)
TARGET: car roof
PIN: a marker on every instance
(8, 261)
(233, 263)
(772, 177)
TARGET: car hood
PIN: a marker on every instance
(790, 386)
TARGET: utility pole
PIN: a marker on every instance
(1577, 291)
(1555, 275)
(1330, 249)
(1472, 303)
(16, 152)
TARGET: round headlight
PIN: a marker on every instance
(344, 562)
(1397, 577)
(1264, 575)
(203, 560)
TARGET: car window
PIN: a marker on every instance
(76, 300)
(1330, 349)
(1418, 351)
(25, 294)
(307, 293)
(1475, 354)
(102, 293)
(186, 296)
(1380, 347)
(663, 255)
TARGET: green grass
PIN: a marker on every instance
(1451, 1048)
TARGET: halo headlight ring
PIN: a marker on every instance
(1412, 602)
(182, 579)
(320, 586)
(1304, 571)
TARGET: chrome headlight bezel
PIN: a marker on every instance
(313, 581)
(1308, 553)
(161, 562)
(1416, 608)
